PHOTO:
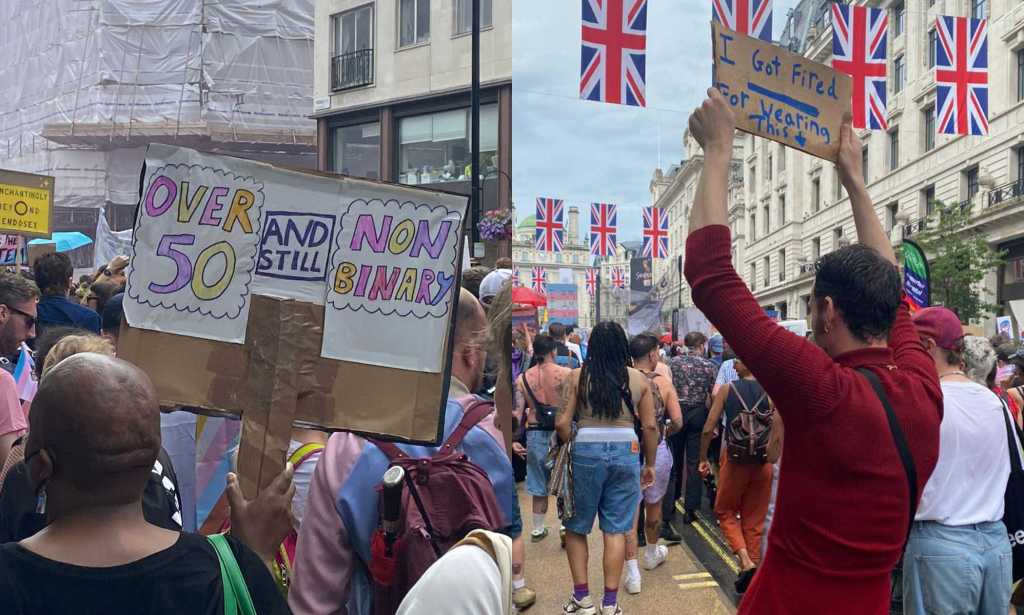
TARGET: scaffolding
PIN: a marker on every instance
(89, 83)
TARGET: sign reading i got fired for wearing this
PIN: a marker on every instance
(26, 204)
(780, 95)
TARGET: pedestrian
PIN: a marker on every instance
(957, 557)
(332, 565)
(473, 277)
(744, 475)
(726, 371)
(94, 436)
(539, 394)
(522, 350)
(845, 490)
(668, 417)
(572, 341)
(18, 297)
(716, 347)
(564, 355)
(607, 399)
(53, 277)
(99, 293)
(693, 377)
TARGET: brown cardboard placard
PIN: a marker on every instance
(780, 95)
(37, 250)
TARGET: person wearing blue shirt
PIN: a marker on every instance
(53, 276)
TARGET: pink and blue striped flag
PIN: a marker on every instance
(24, 374)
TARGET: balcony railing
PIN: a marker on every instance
(914, 227)
(1006, 192)
(352, 70)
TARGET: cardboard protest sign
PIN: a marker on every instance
(10, 249)
(26, 203)
(282, 296)
(780, 95)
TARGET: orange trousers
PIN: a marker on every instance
(743, 492)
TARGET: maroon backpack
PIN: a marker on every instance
(444, 498)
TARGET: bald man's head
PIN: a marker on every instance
(96, 423)
(471, 340)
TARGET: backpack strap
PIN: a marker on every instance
(901, 444)
(529, 391)
(304, 452)
(743, 402)
(473, 413)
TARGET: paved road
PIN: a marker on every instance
(680, 586)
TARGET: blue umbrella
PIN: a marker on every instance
(66, 242)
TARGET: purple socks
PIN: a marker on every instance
(611, 597)
(579, 592)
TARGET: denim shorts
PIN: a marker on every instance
(537, 472)
(606, 484)
(957, 569)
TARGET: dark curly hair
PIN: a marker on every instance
(604, 377)
(864, 287)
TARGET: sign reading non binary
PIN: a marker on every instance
(780, 95)
(26, 204)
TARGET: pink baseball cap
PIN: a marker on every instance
(941, 324)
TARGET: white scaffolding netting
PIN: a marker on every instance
(89, 83)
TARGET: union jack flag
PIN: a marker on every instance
(540, 278)
(750, 17)
(603, 223)
(618, 278)
(515, 276)
(550, 226)
(614, 52)
(858, 49)
(591, 281)
(961, 75)
(655, 232)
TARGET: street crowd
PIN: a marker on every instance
(875, 456)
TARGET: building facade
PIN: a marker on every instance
(571, 263)
(788, 208)
(392, 93)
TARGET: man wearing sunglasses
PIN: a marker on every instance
(18, 297)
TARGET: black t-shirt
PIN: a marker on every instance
(161, 504)
(184, 578)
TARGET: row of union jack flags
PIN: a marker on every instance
(613, 57)
(961, 68)
(539, 279)
(550, 228)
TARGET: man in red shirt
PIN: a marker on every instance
(843, 498)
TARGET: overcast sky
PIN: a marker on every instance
(582, 151)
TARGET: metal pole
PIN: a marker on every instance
(597, 294)
(474, 120)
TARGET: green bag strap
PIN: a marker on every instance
(236, 592)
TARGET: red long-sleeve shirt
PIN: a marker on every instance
(841, 513)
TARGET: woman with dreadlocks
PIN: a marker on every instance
(613, 409)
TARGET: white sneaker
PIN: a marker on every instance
(632, 584)
(611, 610)
(581, 607)
(660, 554)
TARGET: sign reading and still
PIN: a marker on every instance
(26, 204)
(780, 95)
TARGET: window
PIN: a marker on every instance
(838, 185)
(766, 274)
(753, 276)
(435, 147)
(890, 215)
(355, 150)
(816, 248)
(929, 128)
(782, 158)
(928, 195)
(978, 9)
(837, 237)
(815, 194)
(931, 48)
(894, 149)
(753, 179)
(971, 178)
(1020, 164)
(899, 74)
(352, 55)
(767, 219)
(899, 21)
(753, 226)
(1020, 75)
(864, 162)
(782, 265)
(464, 15)
(782, 209)
(413, 22)
(768, 168)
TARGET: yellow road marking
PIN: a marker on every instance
(694, 575)
(706, 535)
(699, 585)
